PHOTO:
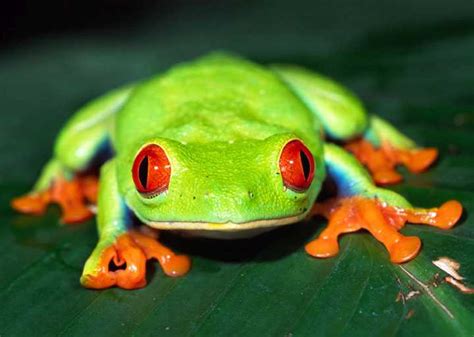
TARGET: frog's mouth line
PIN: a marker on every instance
(226, 226)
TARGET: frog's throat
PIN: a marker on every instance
(226, 226)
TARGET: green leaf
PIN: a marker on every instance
(419, 75)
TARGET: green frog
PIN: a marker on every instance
(222, 147)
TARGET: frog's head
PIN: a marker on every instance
(223, 186)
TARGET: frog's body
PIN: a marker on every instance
(222, 125)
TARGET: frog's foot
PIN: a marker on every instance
(72, 196)
(123, 263)
(382, 221)
(382, 162)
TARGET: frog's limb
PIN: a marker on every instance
(72, 195)
(120, 256)
(361, 205)
(383, 147)
(78, 144)
(341, 113)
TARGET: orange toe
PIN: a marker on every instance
(444, 217)
(322, 248)
(133, 261)
(419, 160)
(175, 265)
(449, 214)
(34, 204)
(405, 249)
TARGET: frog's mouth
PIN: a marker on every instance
(225, 230)
(226, 226)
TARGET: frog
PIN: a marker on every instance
(225, 148)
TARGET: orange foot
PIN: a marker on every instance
(123, 264)
(71, 196)
(382, 162)
(351, 214)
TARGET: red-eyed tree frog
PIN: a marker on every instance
(225, 148)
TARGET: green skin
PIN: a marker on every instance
(222, 122)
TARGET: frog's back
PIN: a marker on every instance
(216, 98)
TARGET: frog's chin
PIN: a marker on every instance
(225, 230)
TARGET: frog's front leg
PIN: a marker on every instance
(361, 205)
(382, 148)
(120, 256)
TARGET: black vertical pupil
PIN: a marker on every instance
(143, 172)
(306, 165)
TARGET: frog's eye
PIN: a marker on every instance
(296, 166)
(151, 170)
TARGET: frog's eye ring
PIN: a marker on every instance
(296, 166)
(151, 171)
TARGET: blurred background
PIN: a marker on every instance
(406, 59)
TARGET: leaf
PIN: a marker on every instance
(420, 76)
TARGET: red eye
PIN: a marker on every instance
(296, 166)
(151, 170)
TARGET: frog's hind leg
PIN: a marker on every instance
(57, 185)
(376, 143)
(361, 205)
(80, 142)
(382, 148)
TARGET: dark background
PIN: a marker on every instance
(24, 20)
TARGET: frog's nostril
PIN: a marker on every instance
(251, 195)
